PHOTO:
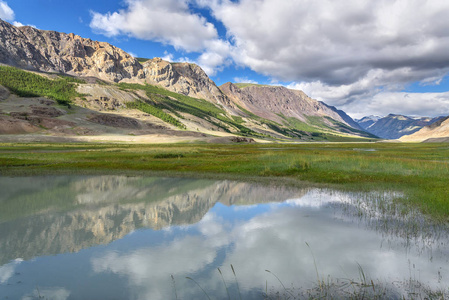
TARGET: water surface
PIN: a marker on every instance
(113, 237)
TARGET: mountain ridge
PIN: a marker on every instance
(394, 126)
(50, 51)
(273, 112)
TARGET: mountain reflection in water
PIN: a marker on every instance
(125, 237)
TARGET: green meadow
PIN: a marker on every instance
(419, 172)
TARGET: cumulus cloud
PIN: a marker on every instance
(336, 42)
(8, 270)
(215, 57)
(244, 80)
(166, 21)
(6, 13)
(412, 104)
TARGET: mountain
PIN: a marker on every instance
(368, 121)
(109, 95)
(291, 108)
(50, 51)
(394, 126)
(435, 132)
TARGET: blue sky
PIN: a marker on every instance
(363, 56)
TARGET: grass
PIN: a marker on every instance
(27, 84)
(155, 111)
(242, 85)
(419, 171)
(142, 59)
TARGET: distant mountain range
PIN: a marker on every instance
(394, 126)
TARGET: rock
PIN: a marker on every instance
(4, 93)
(237, 139)
(9, 125)
(47, 102)
(50, 112)
(115, 121)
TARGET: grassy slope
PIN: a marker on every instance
(178, 103)
(27, 84)
(420, 171)
(242, 85)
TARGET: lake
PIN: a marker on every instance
(117, 237)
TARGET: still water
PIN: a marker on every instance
(113, 237)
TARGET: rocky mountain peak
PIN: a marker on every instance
(50, 51)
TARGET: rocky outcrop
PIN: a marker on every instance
(50, 51)
(395, 126)
(436, 132)
(184, 78)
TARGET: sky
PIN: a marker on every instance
(366, 57)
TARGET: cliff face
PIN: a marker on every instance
(51, 51)
(183, 78)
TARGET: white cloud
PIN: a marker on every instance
(168, 56)
(6, 13)
(336, 42)
(166, 21)
(17, 24)
(411, 104)
(132, 54)
(8, 270)
(378, 93)
(244, 80)
(53, 293)
(215, 57)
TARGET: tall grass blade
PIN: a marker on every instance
(362, 274)
(280, 283)
(236, 281)
(190, 278)
(174, 286)
(316, 268)
(224, 282)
